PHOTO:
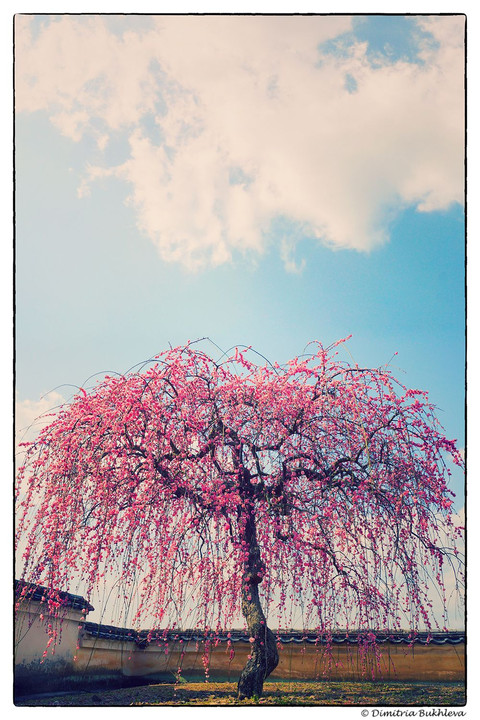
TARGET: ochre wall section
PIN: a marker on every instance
(299, 662)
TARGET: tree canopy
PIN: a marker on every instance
(231, 486)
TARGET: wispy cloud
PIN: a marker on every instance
(234, 121)
(32, 415)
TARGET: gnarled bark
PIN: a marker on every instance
(263, 657)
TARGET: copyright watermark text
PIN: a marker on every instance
(420, 713)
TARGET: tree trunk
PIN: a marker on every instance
(263, 657)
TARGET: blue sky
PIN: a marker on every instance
(258, 181)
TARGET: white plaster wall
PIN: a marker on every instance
(32, 636)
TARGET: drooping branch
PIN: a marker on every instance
(212, 488)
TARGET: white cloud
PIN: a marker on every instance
(32, 415)
(252, 126)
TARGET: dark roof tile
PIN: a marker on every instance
(39, 593)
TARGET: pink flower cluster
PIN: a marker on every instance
(153, 478)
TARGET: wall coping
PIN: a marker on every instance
(41, 594)
(143, 638)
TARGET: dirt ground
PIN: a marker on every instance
(275, 693)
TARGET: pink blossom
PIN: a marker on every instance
(197, 484)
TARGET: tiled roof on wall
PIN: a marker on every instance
(144, 637)
(39, 593)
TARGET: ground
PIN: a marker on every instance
(275, 693)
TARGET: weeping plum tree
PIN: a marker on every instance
(234, 487)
